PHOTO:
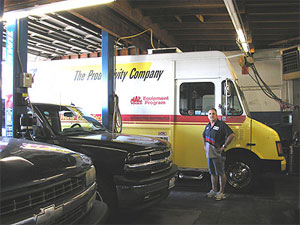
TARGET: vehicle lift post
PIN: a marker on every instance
(16, 63)
(1, 47)
(107, 80)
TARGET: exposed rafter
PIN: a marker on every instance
(187, 24)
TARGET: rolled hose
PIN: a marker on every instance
(117, 118)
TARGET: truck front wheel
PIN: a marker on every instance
(242, 173)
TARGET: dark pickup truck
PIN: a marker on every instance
(47, 184)
(133, 172)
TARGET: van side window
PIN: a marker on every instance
(232, 102)
(196, 98)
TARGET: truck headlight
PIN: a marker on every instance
(90, 176)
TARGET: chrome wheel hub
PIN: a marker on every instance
(239, 175)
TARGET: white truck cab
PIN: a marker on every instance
(168, 96)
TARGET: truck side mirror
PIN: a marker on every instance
(30, 128)
(227, 89)
(26, 124)
(26, 120)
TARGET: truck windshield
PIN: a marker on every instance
(243, 99)
(68, 120)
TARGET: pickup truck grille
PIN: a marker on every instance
(40, 197)
(70, 217)
(150, 161)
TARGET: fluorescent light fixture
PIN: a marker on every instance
(52, 7)
(237, 24)
(241, 36)
(242, 39)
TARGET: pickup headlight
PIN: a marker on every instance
(90, 176)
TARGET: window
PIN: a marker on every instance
(53, 119)
(232, 102)
(196, 98)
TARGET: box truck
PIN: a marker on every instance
(168, 96)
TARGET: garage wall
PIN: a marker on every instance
(268, 64)
(296, 113)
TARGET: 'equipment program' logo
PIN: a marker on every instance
(137, 100)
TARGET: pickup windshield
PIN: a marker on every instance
(69, 120)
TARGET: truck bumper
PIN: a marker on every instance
(97, 215)
(140, 194)
(273, 165)
(283, 165)
(73, 211)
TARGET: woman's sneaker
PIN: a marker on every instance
(211, 194)
(219, 196)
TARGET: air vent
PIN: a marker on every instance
(290, 63)
(164, 50)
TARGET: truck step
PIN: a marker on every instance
(185, 176)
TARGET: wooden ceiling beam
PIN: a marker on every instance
(135, 16)
(283, 26)
(275, 32)
(196, 26)
(209, 45)
(272, 3)
(158, 4)
(211, 42)
(280, 10)
(205, 37)
(186, 12)
(202, 32)
(274, 19)
(285, 41)
(270, 37)
(104, 18)
(208, 19)
(174, 23)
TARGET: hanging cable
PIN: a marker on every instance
(267, 90)
(135, 35)
(117, 118)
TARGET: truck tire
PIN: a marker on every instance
(242, 173)
(107, 190)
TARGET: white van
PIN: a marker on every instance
(168, 96)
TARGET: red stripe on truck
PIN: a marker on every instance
(178, 118)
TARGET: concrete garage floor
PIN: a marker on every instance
(276, 201)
